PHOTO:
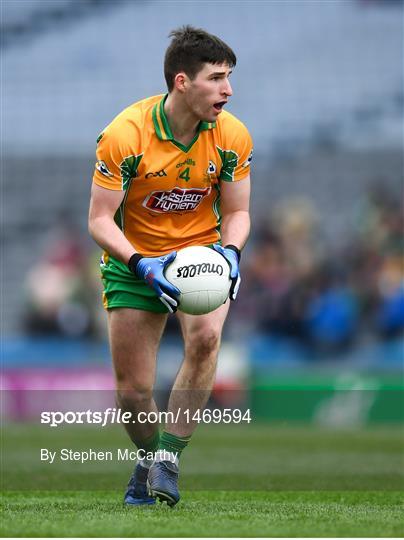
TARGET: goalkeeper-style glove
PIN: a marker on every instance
(232, 255)
(151, 269)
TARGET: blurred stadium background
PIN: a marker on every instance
(321, 308)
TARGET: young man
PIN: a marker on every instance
(172, 171)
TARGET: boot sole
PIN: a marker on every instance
(163, 497)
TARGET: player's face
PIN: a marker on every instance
(209, 91)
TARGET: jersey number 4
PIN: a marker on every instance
(185, 175)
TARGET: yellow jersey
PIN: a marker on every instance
(172, 191)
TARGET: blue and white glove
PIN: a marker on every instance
(151, 269)
(232, 255)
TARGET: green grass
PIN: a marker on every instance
(205, 513)
(261, 480)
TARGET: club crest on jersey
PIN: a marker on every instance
(211, 169)
(248, 160)
(175, 200)
(102, 167)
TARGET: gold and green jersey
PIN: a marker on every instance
(172, 191)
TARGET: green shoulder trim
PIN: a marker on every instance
(128, 169)
(229, 163)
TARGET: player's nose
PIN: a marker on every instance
(227, 88)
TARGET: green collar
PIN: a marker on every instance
(163, 130)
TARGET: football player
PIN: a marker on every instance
(172, 171)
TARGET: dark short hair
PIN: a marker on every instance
(190, 48)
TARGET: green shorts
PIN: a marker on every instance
(122, 289)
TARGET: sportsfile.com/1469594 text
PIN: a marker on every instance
(113, 415)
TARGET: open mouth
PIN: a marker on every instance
(219, 106)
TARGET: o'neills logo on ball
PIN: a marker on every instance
(175, 200)
(192, 270)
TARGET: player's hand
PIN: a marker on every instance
(232, 256)
(151, 269)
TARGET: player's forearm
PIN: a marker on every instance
(235, 228)
(109, 237)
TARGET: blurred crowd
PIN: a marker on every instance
(296, 284)
(63, 289)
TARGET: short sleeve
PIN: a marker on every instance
(236, 155)
(116, 164)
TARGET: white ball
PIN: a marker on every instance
(203, 277)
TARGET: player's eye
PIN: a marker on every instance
(220, 77)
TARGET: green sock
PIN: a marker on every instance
(173, 443)
(148, 445)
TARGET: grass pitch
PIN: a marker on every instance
(205, 513)
(260, 480)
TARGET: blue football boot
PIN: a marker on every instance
(162, 482)
(136, 494)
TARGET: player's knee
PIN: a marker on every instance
(203, 344)
(129, 397)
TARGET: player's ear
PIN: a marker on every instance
(181, 81)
